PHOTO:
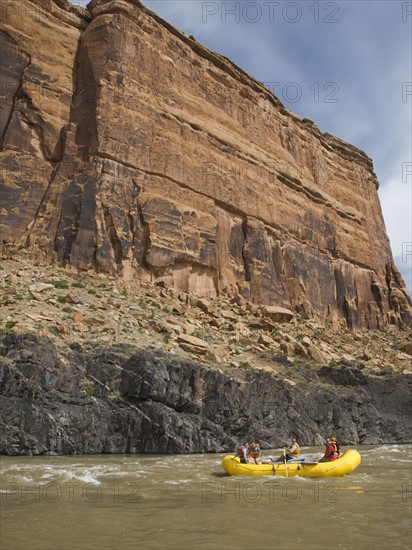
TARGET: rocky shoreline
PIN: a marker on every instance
(96, 365)
(116, 400)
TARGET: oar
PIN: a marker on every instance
(284, 459)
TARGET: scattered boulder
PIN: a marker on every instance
(288, 348)
(317, 355)
(278, 314)
(93, 321)
(262, 324)
(192, 343)
(36, 296)
(69, 299)
(40, 287)
(406, 347)
(265, 340)
(206, 306)
(228, 314)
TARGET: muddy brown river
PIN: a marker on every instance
(188, 502)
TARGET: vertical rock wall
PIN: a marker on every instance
(129, 148)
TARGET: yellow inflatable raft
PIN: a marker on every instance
(340, 467)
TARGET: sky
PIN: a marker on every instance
(346, 65)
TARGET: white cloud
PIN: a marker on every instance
(396, 200)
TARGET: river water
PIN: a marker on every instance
(188, 502)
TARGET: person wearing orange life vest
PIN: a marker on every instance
(254, 452)
(243, 453)
(335, 443)
(330, 451)
(291, 452)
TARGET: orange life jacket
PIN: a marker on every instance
(296, 452)
(240, 452)
(336, 451)
(254, 452)
(331, 452)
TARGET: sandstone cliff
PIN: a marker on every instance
(129, 148)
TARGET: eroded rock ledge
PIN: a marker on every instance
(128, 148)
(115, 401)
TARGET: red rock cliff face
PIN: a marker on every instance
(129, 148)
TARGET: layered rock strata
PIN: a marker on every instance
(129, 148)
(109, 401)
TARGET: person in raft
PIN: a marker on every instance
(331, 451)
(291, 452)
(254, 453)
(335, 443)
(243, 453)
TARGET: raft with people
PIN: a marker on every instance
(249, 462)
(343, 465)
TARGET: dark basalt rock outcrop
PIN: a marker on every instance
(109, 401)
